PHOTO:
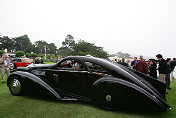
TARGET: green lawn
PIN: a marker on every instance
(49, 62)
(39, 107)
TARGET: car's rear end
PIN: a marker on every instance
(150, 87)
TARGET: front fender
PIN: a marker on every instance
(35, 79)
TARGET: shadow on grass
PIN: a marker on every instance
(140, 112)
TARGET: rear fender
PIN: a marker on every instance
(160, 86)
(35, 79)
(111, 80)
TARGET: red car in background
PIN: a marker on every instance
(21, 62)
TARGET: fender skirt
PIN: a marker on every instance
(159, 101)
(35, 79)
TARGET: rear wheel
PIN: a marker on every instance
(104, 97)
(16, 86)
(107, 105)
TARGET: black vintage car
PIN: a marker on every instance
(92, 79)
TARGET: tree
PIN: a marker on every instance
(123, 55)
(40, 47)
(127, 56)
(28, 55)
(1, 52)
(64, 51)
(41, 55)
(67, 46)
(120, 54)
(34, 55)
(23, 43)
(6, 43)
(19, 53)
(84, 48)
(69, 41)
(51, 48)
(48, 57)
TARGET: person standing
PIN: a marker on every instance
(39, 61)
(129, 63)
(4, 65)
(133, 63)
(168, 74)
(162, 68)
(152, 69)
(141, 66)
(172, 66)
(174, 74)
(123, 62)
(58, 59)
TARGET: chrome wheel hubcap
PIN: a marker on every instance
(15, 86)
(108, 98)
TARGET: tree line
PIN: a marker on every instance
(22, 44)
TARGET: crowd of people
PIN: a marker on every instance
(164, 67)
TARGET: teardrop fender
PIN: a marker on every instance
(35, 79)
(111, 80)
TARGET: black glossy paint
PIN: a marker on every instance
(89, 84)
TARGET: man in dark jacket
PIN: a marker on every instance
(173, 64)
(152, 68)
(133, 63)
(123, 62)
(168, 74)
(39, 61)
(162, 68)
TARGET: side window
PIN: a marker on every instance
(95, 67)
(70, 64)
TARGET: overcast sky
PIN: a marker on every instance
(139, 27)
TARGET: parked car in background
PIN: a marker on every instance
(20, 62)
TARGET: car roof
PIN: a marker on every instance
(95, 60)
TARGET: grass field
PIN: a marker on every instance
(49, 62)
(43, 107)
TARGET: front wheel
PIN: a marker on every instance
(16, 86)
